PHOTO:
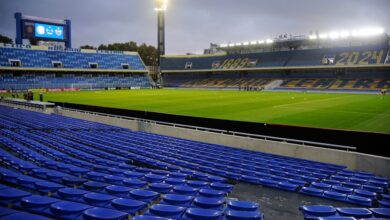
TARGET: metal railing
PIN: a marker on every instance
(225, 132)
(27, 104)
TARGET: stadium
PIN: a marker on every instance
(288, 127)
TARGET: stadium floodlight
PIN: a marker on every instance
(345, 34)
(231, 45)
(224, 45)
(368, 32)
(253, 42)
(245, 43)
(269, 41)
(323, 36)
(238, 44)
(312, 37)
(261, 42)
(334, 35)
(161, 5)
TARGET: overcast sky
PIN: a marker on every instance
(192, 24)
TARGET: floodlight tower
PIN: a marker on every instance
(161, 7)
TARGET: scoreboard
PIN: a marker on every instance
(45, 29)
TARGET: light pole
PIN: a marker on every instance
(161, 7)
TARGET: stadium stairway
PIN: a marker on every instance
(58, 167)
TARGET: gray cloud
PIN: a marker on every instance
(192, 24)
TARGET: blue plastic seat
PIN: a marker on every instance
(6, 211)
(160, 187)
(363, 201)
(299, 182)
(185, 190)
(10, 195)
(143, 195)
(97, 199)
(211, 193)
(134, 183)
(23, 215)
(208, 203)
(113, 179)
(251, 179)
(342, 189)
(334, 195)
(242, 215)
(47, 187)
(242, 206)
(55, 176)
(68, 210)
(312, 191)
(78, 171)
(216, 179)
(221, 186)
(37, 202)
(8, 176)
(336, 218)
(268, 182)
(168, 211)
(71, 193)
(175, 181)
(134, 174)
(128, 205)
(200, 176)
(104, 214)
(26, 181)
(149, 217)
(287, 186)
(382, 184)
(118, 190)
(95, 176)
(313, 211)
(323, 186)
(153, 178)
(91, 185)
(178, 200)
(375, 189)
(385, 197)
(178, 175)
(73, 181)
(197, 183)
(381, 212)
(384, 203)
(202, 214)
(364, 193)
(355, 212)
(351, 185)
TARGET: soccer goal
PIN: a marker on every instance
(82, 86)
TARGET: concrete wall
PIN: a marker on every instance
(355, 161)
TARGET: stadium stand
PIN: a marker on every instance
(70, 58)
(360, 68)
(352, 81)
(57, 177)
(28, 67)
(364, 55)
(66, 168)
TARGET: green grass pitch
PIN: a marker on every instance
(361, 112)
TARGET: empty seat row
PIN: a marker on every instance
(330, 212)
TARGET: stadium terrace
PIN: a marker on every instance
(293, 127)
